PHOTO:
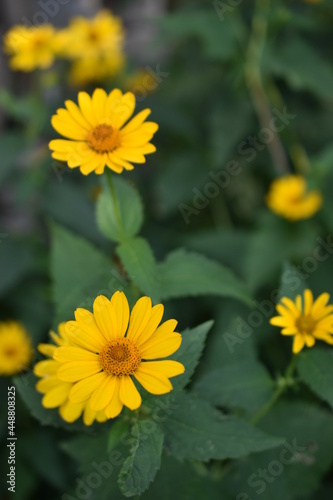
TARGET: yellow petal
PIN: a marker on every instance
(128, 393)
(82, 390)
(56, 396)
(161, 346)
(46, 384)
(155, 319)
(140, 316)
(308, 301)
(89, 415)
(47, 367)
(71, 411)
(106, 318)
(136, 121)
(47, 349)
(103, 395)
(99, 104)
(309, 340)
(69, 353)
(78, 370)
(155, 383)
(86, 107)
(85, 334)
(319, 305)
(121, 307)
(298, 343)
(123, 110)
(68, 128)
(77, 115)
(114, 408)
(112, 100)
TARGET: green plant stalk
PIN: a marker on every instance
(283, 384)
(255, 83)
(115, 204)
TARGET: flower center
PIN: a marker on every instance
(103, 138)
(10, 352)
(305, 324)
(120, 357)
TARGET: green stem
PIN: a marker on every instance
(115, 204)
(255, 83)
(283, 384)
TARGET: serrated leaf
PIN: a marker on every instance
(187, 273)
(315, 367)
(129, 206)
(196, 431)
(140, 468)
(80, 273)
(193, 341)
(246, 385)
(139, 262)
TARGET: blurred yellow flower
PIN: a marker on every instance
(101, 36)
(99, 135)
(305, 319)
(15, 348)
(289, 198)
(56, 391)
(31, 47)
(102, 358)
(90, 70)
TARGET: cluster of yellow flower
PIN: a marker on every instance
(94, 46)
(93, 359)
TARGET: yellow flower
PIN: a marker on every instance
(96, 69)
(289, 198)
(103, 358)
(99, 135)
(305, 319)
(90, 38)
(15, 348)
(56, 391)
(30, 47)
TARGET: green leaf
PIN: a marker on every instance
(80, 273)
(301, 66)
(271, 244)
(246, 385)
(118, 429)
(196, 431)
(183, 481)
(16, 261)
(193, 341)
(140, 468)
(315, 367)
(139, 262)
(130, 209)
(188, 273)
(219, 40)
